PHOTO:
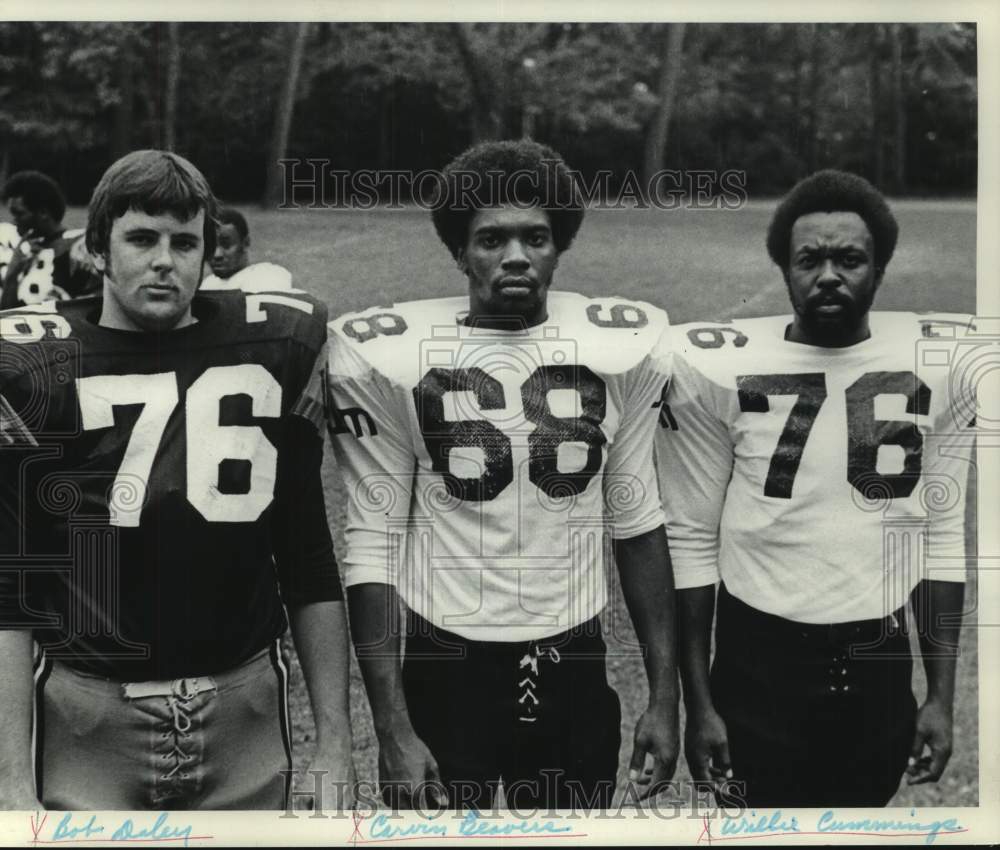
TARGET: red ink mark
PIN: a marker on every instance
(37, 829)
(706, 830)
(356, 836)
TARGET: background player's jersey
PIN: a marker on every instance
(821, 483)
(9, 239)
(479, 463)
(59, 270)
(257, 277)
(150, 482)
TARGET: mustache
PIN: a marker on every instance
(829, 298)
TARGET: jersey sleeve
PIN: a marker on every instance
(694, 457)
(948, 457)
(16, 440)
(630, 487)
(376, 463)
(303, 547)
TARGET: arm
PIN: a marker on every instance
(706, 745)
(376, 462)
(694, 455)
(938, 609)
(310, 586)
(17, 785)
(320, 634)
(635, 515)
(937, 599)
(404, 760)
(648, 588)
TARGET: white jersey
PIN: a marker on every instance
(257, 277)
(820, 484)
(483, 467)
(9, 240)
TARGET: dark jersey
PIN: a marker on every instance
(61, 268)
(156, 490)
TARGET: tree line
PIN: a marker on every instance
(894, 102)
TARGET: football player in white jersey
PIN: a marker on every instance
(488, 442)
(43, 261)
(230, 262)
(816, 464)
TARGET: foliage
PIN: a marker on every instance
(773, 100)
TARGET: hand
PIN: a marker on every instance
(336, 775)
(406, 766)
(706, 747)
(656, 745)
(22, 256)
(934, 728)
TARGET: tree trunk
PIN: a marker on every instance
(173, 79)
(813, 100)
(121, 134)
(899, 110)
(876, 157)
(283, 117)
(671, 57)
(485, 109)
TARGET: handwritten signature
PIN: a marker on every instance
(381, 828)
(73, 827)
(773, 823)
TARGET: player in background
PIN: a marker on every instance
(230, 263)
(816, 464)
(47, 262)
(9, 240)
(160, 509)
(481, 439)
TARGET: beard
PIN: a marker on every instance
(833, 328)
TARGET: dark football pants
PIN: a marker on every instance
(193, 748)
(538, 716)
(817, 715)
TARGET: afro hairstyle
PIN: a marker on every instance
(523, 173)
(39, 192)
(833, 191)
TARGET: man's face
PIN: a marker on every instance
(152, 271)
(25, 220)
(230, 251)
(831, 278)
(509, 259)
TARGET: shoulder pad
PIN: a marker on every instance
(35, 322)
(290, 313)
(614, 334)
(262, 277)
(720, 339)
(931, 325)
(389, 339)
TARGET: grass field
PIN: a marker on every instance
(698, 265)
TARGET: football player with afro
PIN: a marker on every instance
(45, 261)
(815, 464)
(482, 438)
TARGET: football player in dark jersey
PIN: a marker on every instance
(160, 511)
(47, 261)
